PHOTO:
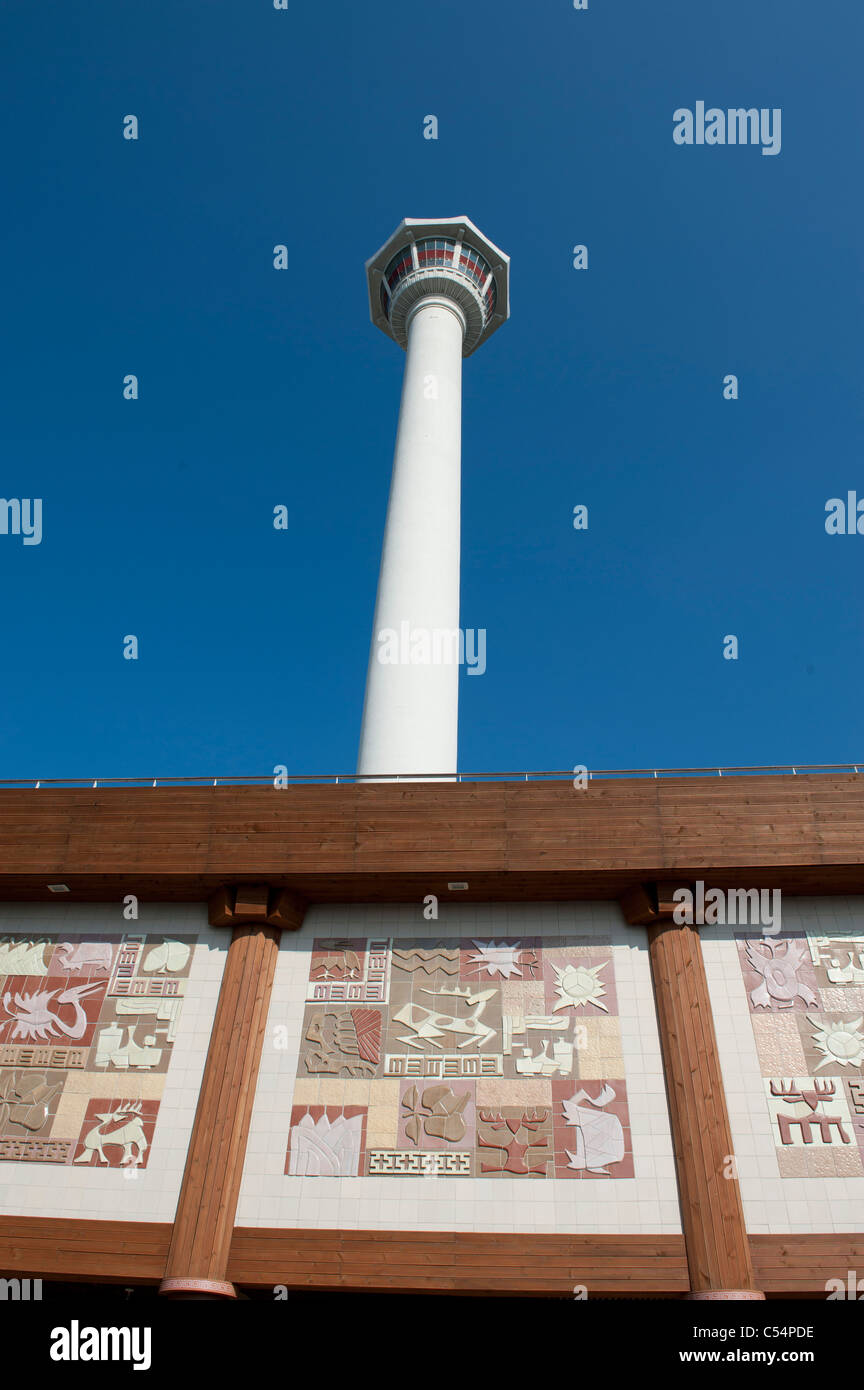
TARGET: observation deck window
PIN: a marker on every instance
(439, 251)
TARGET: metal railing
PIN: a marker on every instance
(339, 778)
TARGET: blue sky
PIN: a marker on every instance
(258, 387)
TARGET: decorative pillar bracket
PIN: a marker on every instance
(255, 904)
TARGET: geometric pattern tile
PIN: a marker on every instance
(805, 993)
(87, 1029)
(472, 1058)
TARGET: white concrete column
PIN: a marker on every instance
(411, 706)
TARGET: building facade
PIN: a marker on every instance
(435, 1037)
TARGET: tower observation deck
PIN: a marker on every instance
(448, 257)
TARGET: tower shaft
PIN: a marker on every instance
(439, 288)
(410, 715)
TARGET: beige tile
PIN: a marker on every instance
(306, 1091)
(355, 1091)
(493, 1091)
(70, 1116)
(804, 1163)
(847, 1161)
(842, 998)
(123, 1085)
(778, 1043)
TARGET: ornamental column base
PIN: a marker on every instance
(725, 1296)
(197, 1288)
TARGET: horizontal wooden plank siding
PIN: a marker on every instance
(420, 1261)
(104, 1251)
(803, 1264)
(393, 841)
(461, 1262)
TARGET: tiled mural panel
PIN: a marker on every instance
(806, 997)
(482, 1056)
(75, 1019)
(91, 1020)
(796, 1001)
(510, 1055)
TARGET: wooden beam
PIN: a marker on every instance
(42, 1247)
(397, 842)
(459, 1262)
(201, 1239)
(718, 1254)
(136, 1252)
(411, 885)
(804, 1265)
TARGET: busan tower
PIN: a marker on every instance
(439, 288)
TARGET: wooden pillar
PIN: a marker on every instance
(718, 1251)
(204, 1221)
